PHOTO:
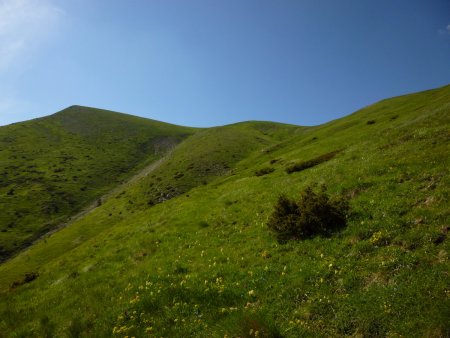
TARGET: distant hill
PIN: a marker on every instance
(183, 248)
(52, 167)
(204, 157)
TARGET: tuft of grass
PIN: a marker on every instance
(203, 224)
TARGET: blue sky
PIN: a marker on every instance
(211, 62)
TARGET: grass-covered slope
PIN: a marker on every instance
(204, 264)
(201, 158)
(205, 156)
(53, 166)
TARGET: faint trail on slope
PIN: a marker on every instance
(95, 204)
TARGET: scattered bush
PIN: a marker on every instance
(315, 213)
(370, 122)
(28, 278)
(311, 163)
(264, 171)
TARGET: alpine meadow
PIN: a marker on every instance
(113, 225)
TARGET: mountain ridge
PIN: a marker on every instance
(203, 263)
(56, 164)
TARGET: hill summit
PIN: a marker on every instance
(52, 167)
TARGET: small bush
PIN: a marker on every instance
(315, 213)
(264, 171)
(28, 278)
(370, 122)
(311, 163)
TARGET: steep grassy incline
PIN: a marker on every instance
(53, 166)
(203, 263)
(201, 158)
(205, 156)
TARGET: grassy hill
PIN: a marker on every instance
(186, 251)
(205, 156)
(52, 167)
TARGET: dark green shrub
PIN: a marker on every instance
(28, 278)
(264, 171)
(311, 163)
(315, 213)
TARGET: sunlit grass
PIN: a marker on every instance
(205, 264)
(54, 166)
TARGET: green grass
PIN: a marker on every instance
(52, 167)
(203, 157)
(203, 262)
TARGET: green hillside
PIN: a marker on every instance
(205, 156)
(185, 250)
(52, 167)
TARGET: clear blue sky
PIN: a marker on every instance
(214, 62)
